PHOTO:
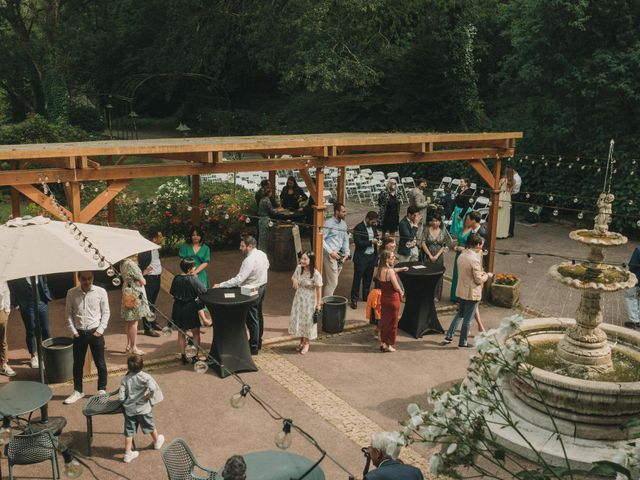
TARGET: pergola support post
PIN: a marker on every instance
(15, 197)
(195, 199)
(111, 206)
(318, 218)
(493, 214)
(342, 179)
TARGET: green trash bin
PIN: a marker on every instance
(57, 357)
(334, 314)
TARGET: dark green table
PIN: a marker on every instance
(278, 465)
(20, 397)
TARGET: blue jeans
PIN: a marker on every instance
(633, 304)
(255, 321)
(466, 309)
(28, 314)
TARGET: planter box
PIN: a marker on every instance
(505, 295)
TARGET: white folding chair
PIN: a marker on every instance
(395, 175)
(484, 214)
(481, 202)
(455, 185)
(445, 182)
(408, 182)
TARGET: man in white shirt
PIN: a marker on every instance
(336, 247)
(5, 309)
(151, 267)
(87, 314)
(254, 273)
(516, 190)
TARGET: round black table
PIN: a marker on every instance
(20, 397)
(230, 345)
(420, 315)
(275, 465)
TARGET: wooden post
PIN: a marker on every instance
(342, 179)
(318, 218)
(111, 206)
(195, 199)
(15, 197)
(272, 181)
(493, 213)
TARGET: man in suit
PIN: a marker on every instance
(365, 236)
(471, 277)
(477, 228)
(384, 451)
(149, 263)
(408, 231)
(22, 297)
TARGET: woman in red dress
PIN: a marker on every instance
(392, 293)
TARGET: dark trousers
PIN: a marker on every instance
(363, 266)
(512, 215)
(28, 315)
(96, 344)
(255, 320)
(152, 289)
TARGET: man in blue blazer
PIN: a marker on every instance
(366, 238)
(384, 451)
(22, 297)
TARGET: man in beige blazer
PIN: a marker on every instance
(469, 290)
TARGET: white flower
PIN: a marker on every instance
(413, 409)
(511, 324)
(452, 448)
(435, 464)
(189, 208)
(416, 421)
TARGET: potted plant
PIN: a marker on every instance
(505, 290)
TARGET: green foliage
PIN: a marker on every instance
(86, 117)
(37, 129)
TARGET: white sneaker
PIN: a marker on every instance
(158, 443)
(34, 362)
(130, 456)
(7, 370)
(73, 398)
(101, 392)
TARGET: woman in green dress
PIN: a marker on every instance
(196, 249)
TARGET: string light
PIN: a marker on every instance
(580, 215)
(270, 223)
(283, 437)
(555, 212)
(200, 367)
(167, 331)
(72, 469)
(529, 259)
(239, 399)
(190, 351)
(116, 281)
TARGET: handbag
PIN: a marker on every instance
(317, 315)
(130, 298)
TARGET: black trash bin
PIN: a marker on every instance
(334, 313)
(57, 357)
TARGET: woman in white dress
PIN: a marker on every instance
(507, 183)
(307, 282)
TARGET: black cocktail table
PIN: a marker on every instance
(274, 465)
(230, 345)
(20, 397)
(420, 315)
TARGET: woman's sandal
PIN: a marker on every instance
(305, 349)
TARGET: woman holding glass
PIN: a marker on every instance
(134, 304)
(307, 282)
(392, 294)
(196, 249)
(435, 244)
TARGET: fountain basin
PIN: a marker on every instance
(583, 408)
(611, 278)
(591, 237)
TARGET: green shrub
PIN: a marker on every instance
(36, 129)
(86, 117)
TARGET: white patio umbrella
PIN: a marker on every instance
(39, 246)
(32, 246)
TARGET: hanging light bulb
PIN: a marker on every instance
(206, 212)
(528, 195)
(531, 209)
(169, 207)
(5, 435)
(226, 216)
(595, 160)
(599, 170)
(632, 172)
(67, 225)
(471, 200)
(555, 212)
(73, 469)
(270, 224)
(529, 259)
(630, 202)
(533, 162)
(575, 199)
(481, 191)
(87, 248)
(189, 208)
(96, 256)
(583, 167)
(116, 281)
(570, 167)
(190, 351)
(580, 215)
(239, 399)
(101, 263)
(551, 198)
(283, 437)
(248, 220)
(110, 272)
(77, 236)
(166, 331)
(638, 223)
(557, 164)
(200, 367)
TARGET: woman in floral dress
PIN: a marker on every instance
(307, 282)
(134, 304)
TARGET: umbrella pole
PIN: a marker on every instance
(44, 411)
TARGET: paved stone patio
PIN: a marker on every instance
(341, 392)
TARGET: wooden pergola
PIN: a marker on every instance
(74, 163)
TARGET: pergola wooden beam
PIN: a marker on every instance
(38, 197)
(102, 199)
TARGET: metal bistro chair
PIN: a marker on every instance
(100, 405)
(180, 462)
(30, 448)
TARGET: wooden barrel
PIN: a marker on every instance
(281, 249)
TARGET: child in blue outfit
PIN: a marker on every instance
(138, 393)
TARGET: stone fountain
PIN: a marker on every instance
(580, 389)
